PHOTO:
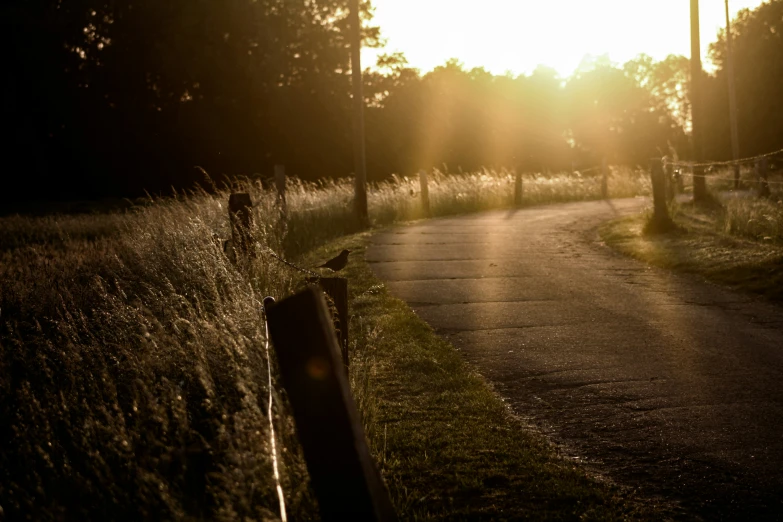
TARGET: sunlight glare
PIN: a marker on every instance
(517, 35)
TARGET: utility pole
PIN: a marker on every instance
(699, 183)
(732, 100)
(359, 161)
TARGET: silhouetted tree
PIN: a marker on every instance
(758, 71)
(105, 97)
(612, 115)
(667, 82)
(119, 96)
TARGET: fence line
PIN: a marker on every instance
(732, 179)
(722, 163)
(290, 264)
(343, 474)
(591, 169)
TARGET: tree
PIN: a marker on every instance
(667, 82)
(758, 70)
(612, 115)
(132, 95)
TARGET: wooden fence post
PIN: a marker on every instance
(343, 475)
(679, 180)
(518, 187)
(425, 192)
(604, 179)
(280, 185)
(240, 214)
(671, 186)
(337, 290)
(661, 219)
(762, 172)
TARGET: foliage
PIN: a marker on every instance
(118, 98)
(613, 115)
(469, 118)
(667, 83)
(757, 45)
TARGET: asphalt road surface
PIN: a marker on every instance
(660, 381)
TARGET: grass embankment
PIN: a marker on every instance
(737, 241)
(133, 380)
(448, 446)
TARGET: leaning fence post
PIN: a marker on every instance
(604, 179)
(660, 210)
(343, 475)
(280, 185)
(337, 290)
(761, 172)
(518, 187)
(425, 192)
(240, 213)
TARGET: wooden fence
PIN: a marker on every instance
(343, 475)
(311, 345)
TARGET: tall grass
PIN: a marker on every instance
(133, 375)
(134, 383)
(744, 214)
(324, 210)
(760, 219)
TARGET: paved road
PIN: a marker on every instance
(660, 381)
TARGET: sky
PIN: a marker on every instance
(517, 35)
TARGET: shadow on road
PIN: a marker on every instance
(513, 212)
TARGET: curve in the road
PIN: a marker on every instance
(662, 381)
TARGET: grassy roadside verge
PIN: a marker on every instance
(448, 446)
(703, 247)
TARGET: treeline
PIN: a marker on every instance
(114, 98)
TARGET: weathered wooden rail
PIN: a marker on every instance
(343, 475)
(311, 345)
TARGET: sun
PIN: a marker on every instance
(518, 35)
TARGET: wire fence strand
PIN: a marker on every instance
(721, 163)
(732, 179)
(290, 264)
(272, 438)
(591, 169)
